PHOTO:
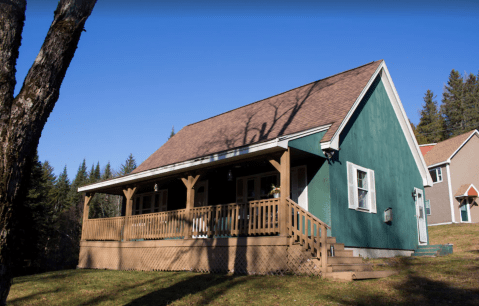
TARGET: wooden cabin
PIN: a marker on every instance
(303, 182)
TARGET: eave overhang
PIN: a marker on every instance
(271, 146)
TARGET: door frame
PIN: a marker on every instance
(420, 191)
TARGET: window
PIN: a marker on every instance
(150, 202)
(428, 207)
(361, 188)
(255, 187)
(436, 175)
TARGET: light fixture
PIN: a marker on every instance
(156, 187)
(414, 194)
(230, 176)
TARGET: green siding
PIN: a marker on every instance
(373, 139)
(310, 144)
(317, 169)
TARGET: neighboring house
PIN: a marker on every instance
(342, 151)
(454, 168)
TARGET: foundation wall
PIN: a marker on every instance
(251, 255)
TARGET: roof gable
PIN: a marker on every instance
(320, 103)
(467, 190)
(445, 150)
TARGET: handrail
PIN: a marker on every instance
(252, 218)
(309, 231)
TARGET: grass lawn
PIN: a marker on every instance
(448, 280)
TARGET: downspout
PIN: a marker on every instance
(449, 186)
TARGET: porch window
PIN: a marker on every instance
(150, 202)
(436, 175)
(255, 187)
(361, 188)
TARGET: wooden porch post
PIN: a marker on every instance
(190, 201)
(285, 192)
(284, 170)
(129, 193)
(86, 211)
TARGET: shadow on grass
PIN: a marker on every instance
(415, 290)
(203, 283)
(53, 275)
(194, 284)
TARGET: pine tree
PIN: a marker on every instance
(128, 166)
(471, 101)
(430, 124)
(452, 107)
(172, 132)
(61, 191)
(107, 173)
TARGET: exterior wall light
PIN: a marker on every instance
(230, 176)
(155, 187)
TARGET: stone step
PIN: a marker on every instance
(350, 276)
(350, 267)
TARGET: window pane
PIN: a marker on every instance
(439, 174)
(239, 188)
(433, 175)
(157, 203)
(362, 198)
(250, 189)
(146, 204)
(362, 181)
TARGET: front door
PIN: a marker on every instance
(464, 211)
(299, 186)
(421, 216)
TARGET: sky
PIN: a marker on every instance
(143, 67)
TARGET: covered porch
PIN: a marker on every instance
(255, 219)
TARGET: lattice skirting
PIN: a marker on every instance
(263, 256)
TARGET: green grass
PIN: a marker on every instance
(448, 280)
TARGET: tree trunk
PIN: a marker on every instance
(22, 118)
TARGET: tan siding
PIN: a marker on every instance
(439, 196)
(465, 170)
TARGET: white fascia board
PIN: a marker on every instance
(428, 144)
(475, 132)
(280, 142)
(393, 96)
(446, 162)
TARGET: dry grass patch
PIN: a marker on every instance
(448, 280)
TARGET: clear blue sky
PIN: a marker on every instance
(144, 67)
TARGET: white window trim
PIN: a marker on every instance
(439, 179)
(352, 178)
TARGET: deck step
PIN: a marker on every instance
(337, 246)
(350, 267)
(344, 260)
(350, 276)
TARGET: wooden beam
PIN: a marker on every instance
(190, 201)
(285, 192)
(129, 193)
(86, 210)
(275, 164)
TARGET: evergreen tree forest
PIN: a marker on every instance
(51, 223)
(458, 112)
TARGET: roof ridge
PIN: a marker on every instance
(281, 93)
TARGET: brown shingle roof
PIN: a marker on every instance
(443, 150)
(323, 102)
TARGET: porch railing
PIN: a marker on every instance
(253, 218)
(309, 231)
